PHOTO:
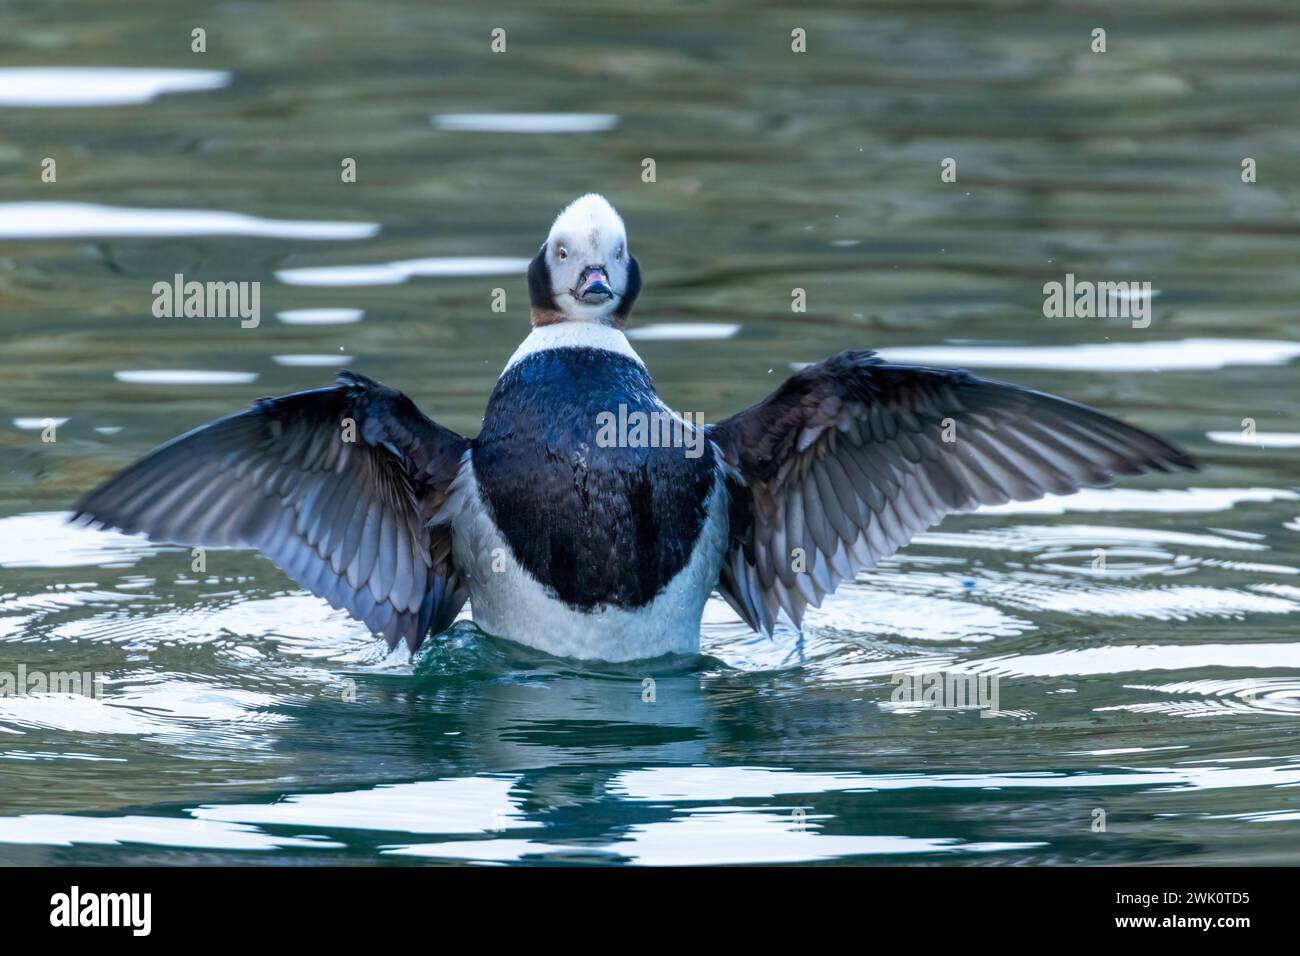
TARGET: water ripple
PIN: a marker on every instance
(395, 273)
(320, 316)
(69, 220)
(55, 86)
(710, 836)
(1181, 355)
(184, 376)
(525, 122)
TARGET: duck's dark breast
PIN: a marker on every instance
(594, 525)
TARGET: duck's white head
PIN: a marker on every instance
(584, 271)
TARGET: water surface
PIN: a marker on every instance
(243, 721)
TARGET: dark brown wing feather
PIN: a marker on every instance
(347, 520)
(846, 462)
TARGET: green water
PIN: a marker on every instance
(243, 721)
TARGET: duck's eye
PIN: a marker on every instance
(562, 252)
(619, 253)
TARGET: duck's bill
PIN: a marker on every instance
(593, 286)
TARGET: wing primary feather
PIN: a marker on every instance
(346, 520)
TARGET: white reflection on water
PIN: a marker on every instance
(916, 617)
(713, 836)
(395, 273)
(1132, 658)
(1087, 597)
(1261, 816)
(1218, 698)
(52, 86)
(188, 710)
(683, 331)
(525, 122)
(466, 805)
(1032, 537)
(73, 713)
(179, 376)
(45, 540)
(660, 784)
(301, 620)
(1135, 499)
(311, 361)
(1258, 440)
(320, 316)
(65, 220)
(1183, 354)
(697, 834)
(57, 829)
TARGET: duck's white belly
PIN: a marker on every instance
(506, 601)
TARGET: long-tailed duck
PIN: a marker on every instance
(608, 549)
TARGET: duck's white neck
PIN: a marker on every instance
(573, 335)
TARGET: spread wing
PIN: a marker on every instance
(346, 519)
(850, 458)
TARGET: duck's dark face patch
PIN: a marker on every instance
(540, 294)
(630, 292)
(596, 526)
